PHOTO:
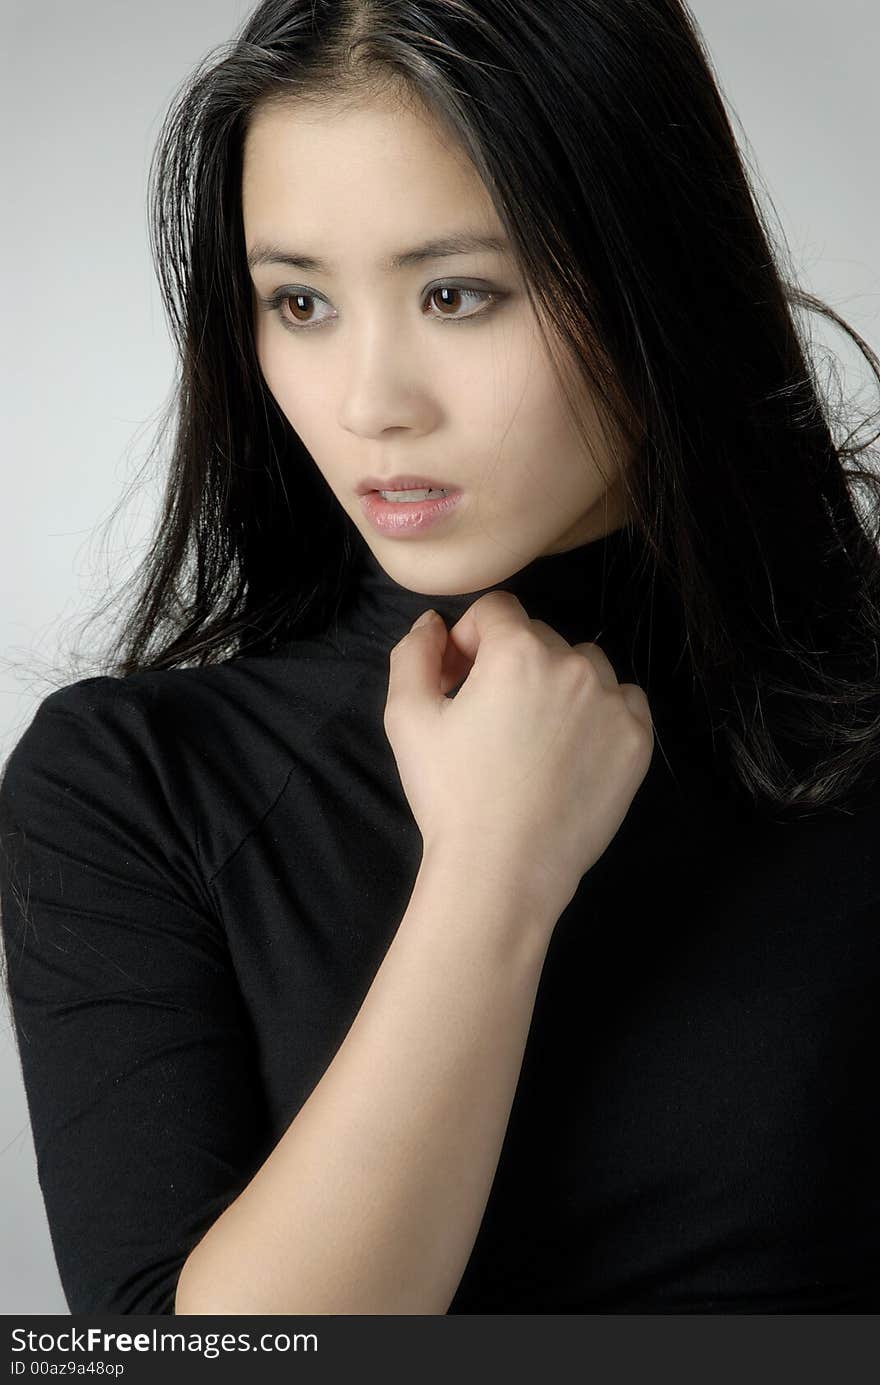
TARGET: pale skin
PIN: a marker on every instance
(373, 1197)
(379, 371)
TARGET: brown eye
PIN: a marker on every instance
(448, 296)
(451, 296)
(294, 308)
(297, 299)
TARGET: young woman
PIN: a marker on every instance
(523, 960)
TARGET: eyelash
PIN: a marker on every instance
(274, 304)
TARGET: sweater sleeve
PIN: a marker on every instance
(136, 1050)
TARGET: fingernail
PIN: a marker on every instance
(424, 618)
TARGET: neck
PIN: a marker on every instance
(594, 592)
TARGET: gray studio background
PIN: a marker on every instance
(88, 361)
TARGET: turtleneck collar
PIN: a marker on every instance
(598, 591)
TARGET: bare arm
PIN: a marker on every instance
(372, 1199)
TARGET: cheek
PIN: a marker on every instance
(531, 420)
(523, 386)
(268, 357)
(544, 414)
(535, 442)
(300, 401)
(284, 383)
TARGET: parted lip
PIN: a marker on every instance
(401, 483)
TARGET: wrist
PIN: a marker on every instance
(524, 894)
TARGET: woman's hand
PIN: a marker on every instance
(535, 761)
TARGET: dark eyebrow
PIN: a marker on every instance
(463, 243)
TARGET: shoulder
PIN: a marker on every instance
(135, 726)
(89, 792)
(69, 729)
(80, 731)
(186, 758)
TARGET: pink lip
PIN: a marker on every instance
(401, 518)
(401, 483)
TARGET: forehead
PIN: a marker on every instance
(377, 171)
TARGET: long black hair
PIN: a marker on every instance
(600, 133)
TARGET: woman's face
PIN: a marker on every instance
(436, 368)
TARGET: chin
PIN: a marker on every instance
(432, 576)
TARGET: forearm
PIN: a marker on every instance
(372, 1199)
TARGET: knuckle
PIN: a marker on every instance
(499, 598)
(639, 739)
(517, 645)
(583, 672)
(522, 640)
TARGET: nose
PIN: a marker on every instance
(385, 387)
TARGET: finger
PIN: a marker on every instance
(455, 666)
(464, 637)
(415, 662)
(638, 704)
(600, 661)
(496, 610)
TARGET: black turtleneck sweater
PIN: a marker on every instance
(214, 863)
